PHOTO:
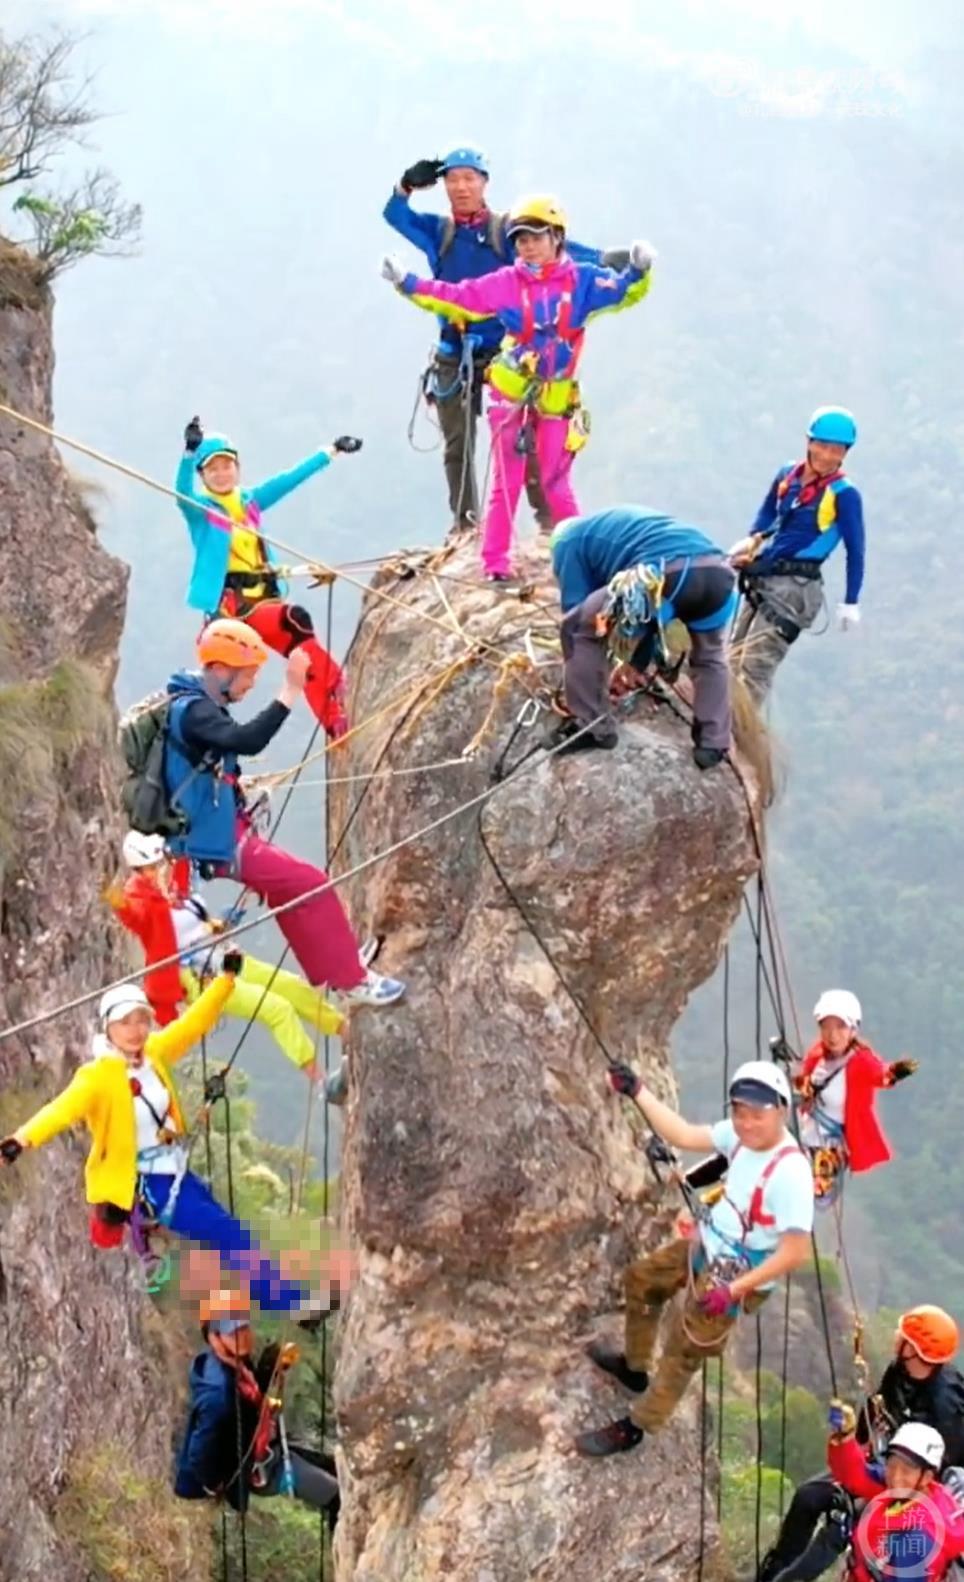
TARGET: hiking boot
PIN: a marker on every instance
(611, 1440)
(614, 1362)
(336, 1085)
(571, 737)
(708, 757)
(375, 990)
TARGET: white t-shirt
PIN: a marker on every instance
(831, 1103)
(194, 935)
(787, 1198)
(153, 1093)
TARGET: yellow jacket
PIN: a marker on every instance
(99, 1094)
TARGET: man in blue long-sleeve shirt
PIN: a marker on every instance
(468, 242)
(809, 509)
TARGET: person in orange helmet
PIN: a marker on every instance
(201, 772)
(920, 1385)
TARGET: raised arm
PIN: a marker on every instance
(679, 1133)
(190, 503)
(172, 1043)
(424, 231)
(267, 494)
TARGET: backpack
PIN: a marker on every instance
(494, 236)
(142, 733)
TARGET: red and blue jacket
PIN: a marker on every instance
(897, 1539)
(469, 254)
(543, 312)
(808, 521)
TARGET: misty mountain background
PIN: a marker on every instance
(800, 177)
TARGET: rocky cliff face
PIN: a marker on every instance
(86, 1410)
(493, 1179)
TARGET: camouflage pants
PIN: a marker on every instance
(691, 1335)
(758, 647)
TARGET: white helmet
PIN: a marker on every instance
(759, 1082)
(839, 1002)
(115, 1003)
(140, 851)
(921, 1442)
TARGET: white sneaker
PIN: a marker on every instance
(370, 948)
(375, 990)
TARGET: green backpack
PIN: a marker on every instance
(142, 733)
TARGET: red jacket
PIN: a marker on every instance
(146, 911)
(863, 1073)
(906, 1540)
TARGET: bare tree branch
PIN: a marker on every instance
(42, 109)
(45, 110)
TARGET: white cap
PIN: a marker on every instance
(841, 1003)
(139, 851)
(922, 1442)
(759, 1082)
(115, 1003)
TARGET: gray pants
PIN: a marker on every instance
(586, 676)
(458, 415)
(758, 645)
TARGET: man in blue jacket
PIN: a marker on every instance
(235, 1443)
(810, 508)
(468, 242)
(623, 575)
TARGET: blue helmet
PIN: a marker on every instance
(465, 159)
(834, 424)
(213, 445)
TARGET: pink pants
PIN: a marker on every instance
(318, 933)
(508, 476)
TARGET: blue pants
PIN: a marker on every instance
(199, 1218)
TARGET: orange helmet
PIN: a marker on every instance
(932, 1333)
(227, 642)
(219, 1306)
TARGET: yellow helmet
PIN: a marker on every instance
(540, 211)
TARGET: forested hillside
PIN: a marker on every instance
(810, 228)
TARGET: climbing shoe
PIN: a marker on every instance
(614, 1363)
(336, 1085)
(375, 990)
(611, 1440)
(708, 757)
(571, 737)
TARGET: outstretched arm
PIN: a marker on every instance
(465, 300)
(66, 1110)
(608, 291)
(267, 494)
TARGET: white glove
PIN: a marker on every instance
(392, 269)
(744, 548)
(848, 615)
(641, 255)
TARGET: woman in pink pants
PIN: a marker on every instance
(545, 301)
(201, 775)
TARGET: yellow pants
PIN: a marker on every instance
(283, 1009)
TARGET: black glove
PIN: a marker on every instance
(900, 1069)
(232, 961)
(10, 1150)
(346, 445)
(424, 173)
(193, 434)
(215, 1088)
(623, 1079)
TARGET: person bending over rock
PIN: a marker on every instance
(139, 1152)
(234, 572)
(755, 1233)
(234, 1444)
(623, 575)
(201, 776)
